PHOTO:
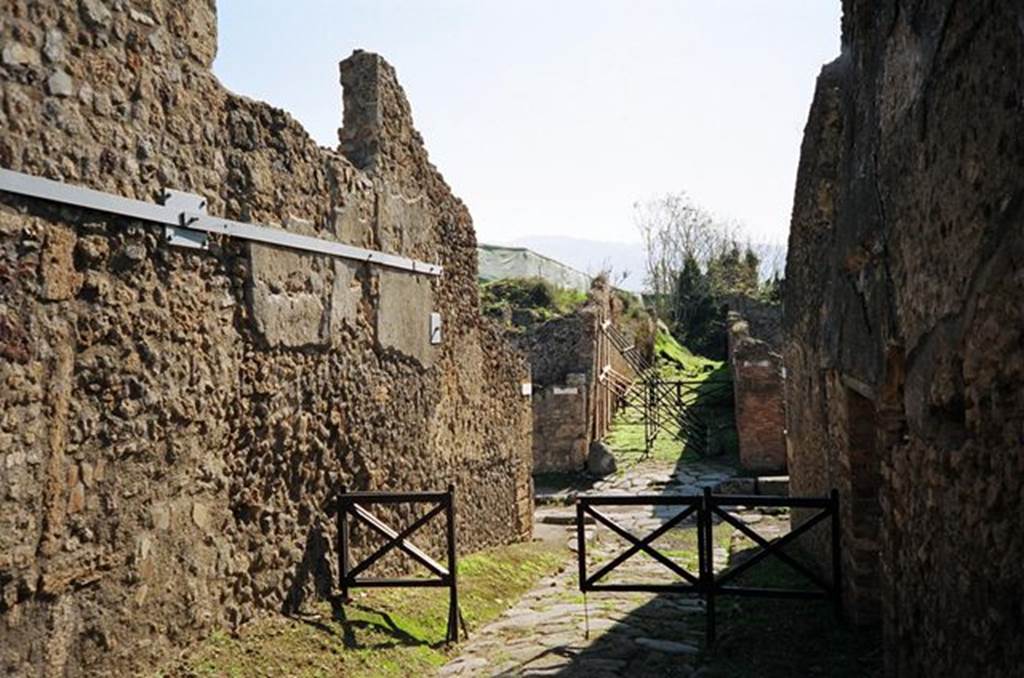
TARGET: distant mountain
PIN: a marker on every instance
(595, 256)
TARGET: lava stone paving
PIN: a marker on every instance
(555, 631)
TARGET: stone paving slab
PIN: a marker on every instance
(553, 630)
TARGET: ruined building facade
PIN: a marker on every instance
(571, 407)
(904, 321)
(174, 423)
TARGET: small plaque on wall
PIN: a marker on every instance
(435, 328)
(526, 389)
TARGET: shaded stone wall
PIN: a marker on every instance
(905, 334)
(174, 423)
(757, 379)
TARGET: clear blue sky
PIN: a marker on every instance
(552, 117)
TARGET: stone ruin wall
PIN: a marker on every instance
(905, 328)
(173, 423)
(570, 406)
(755, 361)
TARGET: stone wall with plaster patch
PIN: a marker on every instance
(174, 423)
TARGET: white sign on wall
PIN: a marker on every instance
(435, 328)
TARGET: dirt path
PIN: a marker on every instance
(630, 634)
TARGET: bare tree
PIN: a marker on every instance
(672, 229)
(773, 259)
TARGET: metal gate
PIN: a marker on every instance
(352, 505)
(689, 410)
(706, 583)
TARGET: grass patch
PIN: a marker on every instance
(711, 401)
(381, 632)
(626, 438)
(678, 362)
(680, 545)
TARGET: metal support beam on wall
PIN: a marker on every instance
(186, 222)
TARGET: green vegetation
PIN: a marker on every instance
(381, 632)
(528, 300)
(678, 362)
(697, 305)
(713, 396)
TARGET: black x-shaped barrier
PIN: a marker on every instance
(706, 583)
(351, 505)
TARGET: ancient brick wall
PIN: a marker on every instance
(174, 423)
(757, 378)
(905, 334)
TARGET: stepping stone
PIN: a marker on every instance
(563, 519)
(667, 646)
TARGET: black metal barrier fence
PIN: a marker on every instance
(352, 505)
(706, 583)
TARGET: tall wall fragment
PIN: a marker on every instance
(905, 327)
(754, 334)
(571, 407)
(174, 423)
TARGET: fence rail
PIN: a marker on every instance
(704, 509)
(352, 505)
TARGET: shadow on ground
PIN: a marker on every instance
(756, 636)
(355, 631)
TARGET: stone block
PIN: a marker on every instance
(58, 278)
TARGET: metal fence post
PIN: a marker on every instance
(837, 566)
(453, 567)
(709, 566)
(343, 544)
(581, 545)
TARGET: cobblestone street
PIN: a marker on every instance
(630, 634)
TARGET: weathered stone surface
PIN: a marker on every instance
(600, 459)
(667, 646)
(904, 326)
(17, 54)
(58, 278)
(174, 423)
(59, 84)
(288, 296)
